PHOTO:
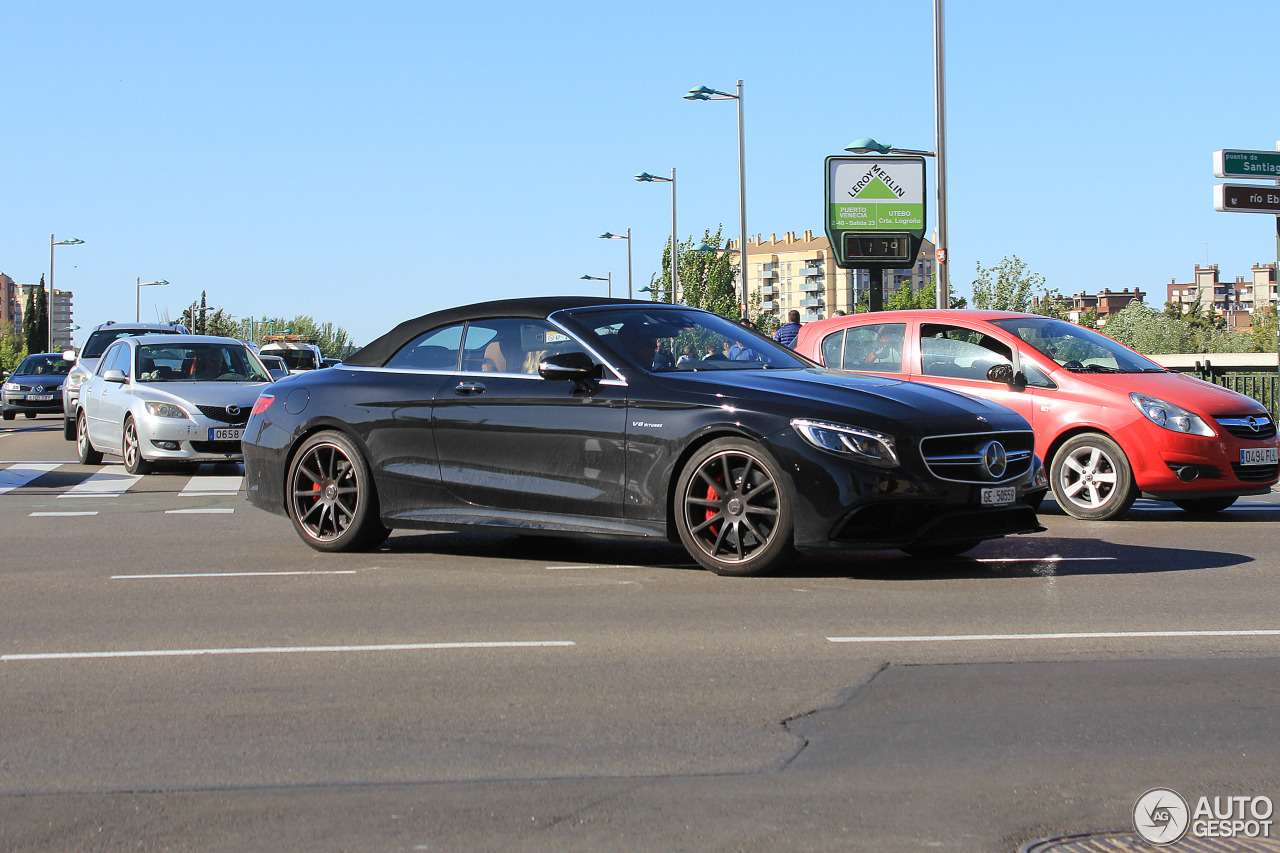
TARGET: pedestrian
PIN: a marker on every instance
(662, 359)
(690, 355)
(786, 335)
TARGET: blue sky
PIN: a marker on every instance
(367, 162)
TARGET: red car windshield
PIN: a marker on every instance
(1076, 347)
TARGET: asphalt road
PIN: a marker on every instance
(181, 673)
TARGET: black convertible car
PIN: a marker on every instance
(579, 416)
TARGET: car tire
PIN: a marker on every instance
(926, 550)
(84, 447)
(69, 429)
(330, 496)
(733, 509)
(8, 416)
(131, 447)
(1091, 478)
(1205, 506)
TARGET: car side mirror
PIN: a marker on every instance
(577, 367)
(114, 376)
(68, 355)
(1002, 373)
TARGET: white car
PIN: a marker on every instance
(168, 398)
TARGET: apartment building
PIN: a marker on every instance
(1236, 300)
(798, 271)
(10, 305)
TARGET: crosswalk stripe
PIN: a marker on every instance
(17, 476)
(104, 484)
(212, 486)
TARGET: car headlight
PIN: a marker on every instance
(166, 410)
(74, 380)
(1170, 417)
(11, 386)
(873, 448)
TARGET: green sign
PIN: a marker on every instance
(1247, 164)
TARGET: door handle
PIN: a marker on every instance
(467, 388)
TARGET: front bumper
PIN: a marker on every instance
(1171, 466)
(186, 440)
(16, 401)
(844, 505)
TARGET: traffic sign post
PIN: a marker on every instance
(874, 214)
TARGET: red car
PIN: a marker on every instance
(1110, 424)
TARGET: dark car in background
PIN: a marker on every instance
(35, 386)
(568, 416)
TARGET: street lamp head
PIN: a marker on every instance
(867, 145)
(593, 278)
(648, 289)
(702, 93)
(645, 176)
(74, 241)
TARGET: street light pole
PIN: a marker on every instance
(141, 284)
(607, 236)
(49, 305)
(608, 278)
(645, 177)
(702, 93)
(943, 288)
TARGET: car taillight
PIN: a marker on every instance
(263, 403)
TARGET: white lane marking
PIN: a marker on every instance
(208, 486)
(1038, 559)
(284, 650)
(1080, 635)
(17, 476)
(61, 514)
(104, 484)
(232, 575)
(205, 511)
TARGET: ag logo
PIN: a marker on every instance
(1161, 816)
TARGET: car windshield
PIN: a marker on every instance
(1077, 348)
(49, 365)
(196, 362)
(675, 339)
(103, 338)
(297, 359)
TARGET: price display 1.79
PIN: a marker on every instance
(879, 248)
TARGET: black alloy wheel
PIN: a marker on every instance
(1205, 506)
(84, 447)
(331, 499)
(733, 511)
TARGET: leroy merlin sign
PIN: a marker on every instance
(875, 211)
(875, 194)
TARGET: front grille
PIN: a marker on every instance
(219, 413)
(960, 458)
(1255, 473)
(216, 446)
(1248, 426)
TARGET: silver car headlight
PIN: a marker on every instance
(75, 379)
(11, 386)
(1170, 417)
(166, 410)
(873, 448)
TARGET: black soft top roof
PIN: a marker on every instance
(378, 351)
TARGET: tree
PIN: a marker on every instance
(1012, 289)
(1264, 329)
(29, 316)
(39, 338)
(12, 350)
(707, 279)
(1148, 331)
